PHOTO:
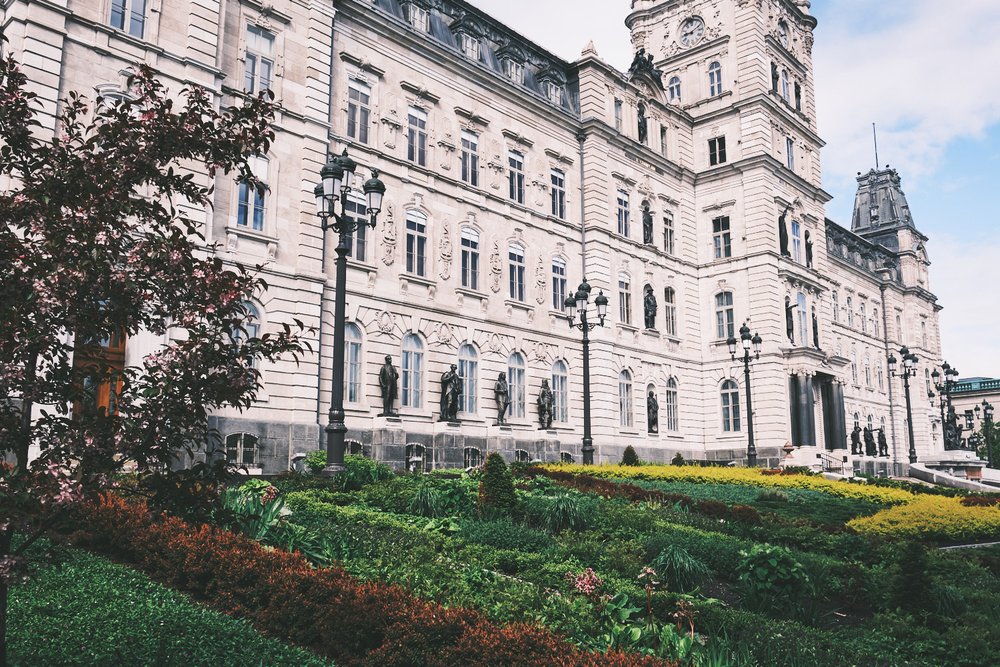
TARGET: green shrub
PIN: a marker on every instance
(316, 461)
(560, 512)
(629, 457)
(770, 577)
(909, 582)
(679, 570)
(772, 496)
(360, 471)
(496, 489)
(504, 534)
(678, 459)
(426, 501)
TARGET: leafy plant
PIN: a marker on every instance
(316, 461)
(562, 511)
(679, 570)
(426, 501)
(496, 489)
(770, 576)
(629, 457)
(360, 472)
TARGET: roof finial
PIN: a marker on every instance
(875, 137)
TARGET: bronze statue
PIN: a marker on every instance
(649, 308)
(815, 324)
(388, 382)
(789, 320)
(501, 393)
(652, 413)
(643, 127)
(451, 392)
(783, 233)
(883, 445)
(809, 251)
(647, 225)
(870, 449)
(856, 440)
(546, 405)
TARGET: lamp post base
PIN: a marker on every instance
(332, 470)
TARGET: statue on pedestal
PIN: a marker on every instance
(643, 127)
(809, 251)
(883, 445)
(388, 382)
(647, 225)
(870, 449)
(783, 233)
(856, 441)
(451, 393)
(649, 308)
(652, 413)
(789, 320)
(501, 394)
(546, 405)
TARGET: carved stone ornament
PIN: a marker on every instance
(388, 237)
(496, 268)
(444, 248)
(540, 281)
(386, 322)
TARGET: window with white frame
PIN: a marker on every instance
(470, 258)
(252, 199)
(730, 406)
(412, 372)
(473, 457)
(522, 456)
(725, 319)
(470, 46)
(672, 407)
(784, 85)
(881, 377)
(352, 363)
(416, 243)
(356, 207)
(560, 391)
(470, 157)
(514, 70)
(553, 91)
(797, 241)
(854, 367)
(623, 213)
(241, 450)
(715, 79)
(624, 299)
(558, 178)
(850, 312)
(722, 238)
(129, 16)
(625, 399)
(468, 370)
(663, 140)
(923, 333)
(416, 16)
(359, 97)
(618, 115)
(864, 318)
(559, 284)
(515, 256)
(670, 310)
(790, 153)
(716, 150)
(802, 313)
(668, 234)
(868, 373)
(248, 329)
(515, 176)
(258, 67)
(875, 321)
(836, 307)
(416, 136)
(674, 89)
(517, 387)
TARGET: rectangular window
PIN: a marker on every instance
(670, 310)
(416, 244)
(515, 255)
(717, 151)
(358, 110)
(553, 92)
(618, 115)
(129, 15)
(836, 308)
(798, 97)
(514, 70)
(470, 259)
(668, 234)
(357, 209)
(663, 140)
(790, 153)
(416, 137)
(559, 284)
(470, 46)
(259, 63)
(623, 213)
(516, 176)
(725, 320)
(250, 207)
(417, 16)
(797, 241)
(721, 237)
(558, 193)
(470, 157)
(624, 300)
(352, 378)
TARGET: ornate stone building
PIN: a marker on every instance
(687, 189)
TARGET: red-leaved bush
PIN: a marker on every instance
(325, 610)
(980, 501)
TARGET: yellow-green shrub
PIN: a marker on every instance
(932, 517)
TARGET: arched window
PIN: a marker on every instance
(857, 420)
(730, 406)
(560, 391)
(470, 258)
(352, 363)
(868, 373)
(625, 399)
(565, 457)
(854, 367)
(850, 312)
(355, 448)
(251, 202)
(674, 89)
(725, 320)
(416, 243)
(875, 321)
(624, 298)
(415, 457)
(522, 456)
(715, 79)
(249, 329)
(803, 316)
(516, 385)
(670, 310)
(473, 457)
(241, 450)
(927, 379)
(468, 370)
(881, 377)
(871, 423)
(672, 407)
(515, 254)
(559, 284)
(784, 84)
(413, 372)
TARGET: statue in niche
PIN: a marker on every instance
(451, 393)
(774, 77)
(789, 320)
(815, 323)
(809, 251)
(856, 441)
(649, 308)
(870, 448)
(883, 445)
(647, 225)
(388, 382)
(652, 413)
(643, 124)
(501, 394)
(783, 232)
(546, 406)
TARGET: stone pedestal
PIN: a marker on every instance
(500, 438)
(448, 450)
(389, 441)
(549, 446)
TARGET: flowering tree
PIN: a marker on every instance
(94, 248)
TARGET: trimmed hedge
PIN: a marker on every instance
(326, 610)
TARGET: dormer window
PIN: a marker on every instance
(416, 16)
(470, 46)
(553, 91)
(514, 70)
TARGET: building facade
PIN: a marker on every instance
(688, 190)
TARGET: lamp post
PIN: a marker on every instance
(747, 340)
(950, 429)
(908, 371)
(987, 412)
(577, 304)
(336, 181)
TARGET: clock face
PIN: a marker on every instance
(692, 30)
(783, 34)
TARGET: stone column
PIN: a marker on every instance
(794, 411)
(808, 418)
(839, 417)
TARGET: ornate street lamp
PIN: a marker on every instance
(909, 370)
(336, 184)
(987, 412)
(577, 304)
(951, 430)
(755, 341)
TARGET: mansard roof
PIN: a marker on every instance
(880, 203)
(846, 247)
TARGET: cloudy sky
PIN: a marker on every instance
(921, 70)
